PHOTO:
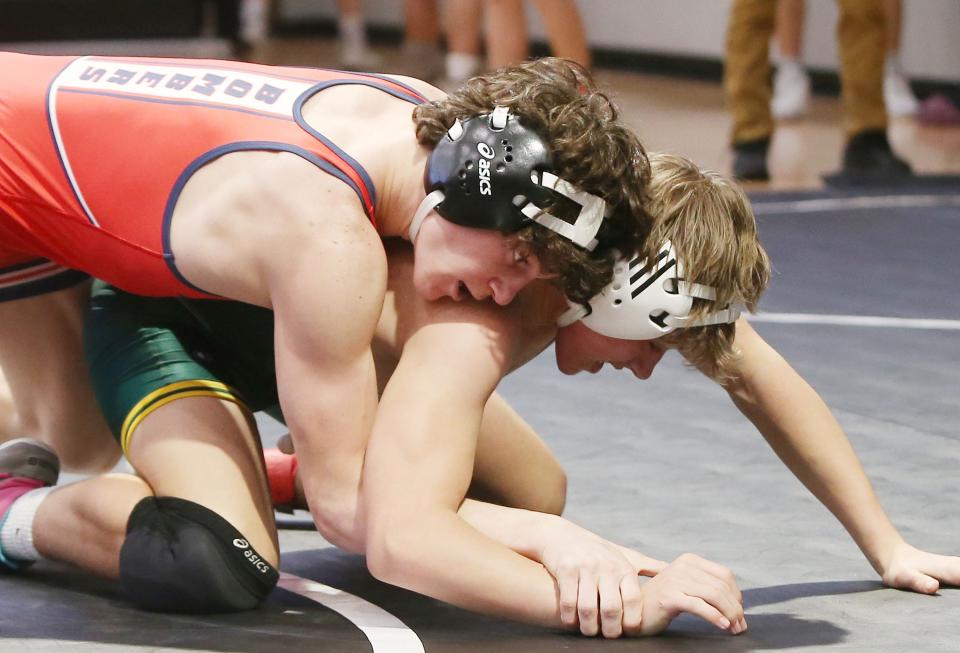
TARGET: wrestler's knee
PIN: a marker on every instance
(179, 556)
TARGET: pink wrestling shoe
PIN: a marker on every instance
(25, 464)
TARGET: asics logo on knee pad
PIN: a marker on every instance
(179, 556)
(256, 561)
(251, 557)
(486, 154)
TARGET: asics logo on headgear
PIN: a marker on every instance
(486, 154)
(241, 543)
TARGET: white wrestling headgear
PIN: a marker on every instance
(644, 302)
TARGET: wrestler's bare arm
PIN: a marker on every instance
(326, 295)
(417, 471)
(800, 428)
(513, 465)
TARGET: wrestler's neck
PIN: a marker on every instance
(540, 303)
(400, 191)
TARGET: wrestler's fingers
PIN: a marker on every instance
(611, 606)
(632, 599)
(588, 606)
(716, 570)
(568, 582)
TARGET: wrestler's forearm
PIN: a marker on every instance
(438, 554)
(523, 531)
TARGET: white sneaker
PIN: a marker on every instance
(897, 95)
(791, 91)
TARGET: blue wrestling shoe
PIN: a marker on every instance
(25, 464)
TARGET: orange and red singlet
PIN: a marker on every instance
(94, 152)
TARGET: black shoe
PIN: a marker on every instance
(868, 155)
(750, 160)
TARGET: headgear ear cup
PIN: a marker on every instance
(647, 300)
(492, 172)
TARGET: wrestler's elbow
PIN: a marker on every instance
(337, 520)
(391, 547)
(385, 557)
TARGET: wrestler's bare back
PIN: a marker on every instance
(243, 211)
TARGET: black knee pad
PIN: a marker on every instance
(181, 557)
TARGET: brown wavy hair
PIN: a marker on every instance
(591, 149)
(709, 220)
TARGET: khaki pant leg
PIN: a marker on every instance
(747, 68)
(860, 35)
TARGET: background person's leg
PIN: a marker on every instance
(565, 31)
(421, 56)
(355, 52)
(791, 84)
(861, 36)
(746, 77)
(898, 97)
(462, 22)
(789, 28)
(505, 32)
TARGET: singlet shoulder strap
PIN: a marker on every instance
(354, 174)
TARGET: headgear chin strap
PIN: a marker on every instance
(426, 207)
(644, 301)
(492, 172)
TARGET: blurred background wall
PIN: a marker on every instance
(695, 28)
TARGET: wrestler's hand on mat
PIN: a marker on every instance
(599, 588)
(598, 581)
(695, 585)
(910, 568)
(644, 564)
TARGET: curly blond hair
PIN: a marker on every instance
(709, 220)
(591, 149)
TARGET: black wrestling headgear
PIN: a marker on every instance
(492, 172)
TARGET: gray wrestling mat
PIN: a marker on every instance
(864, 304)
